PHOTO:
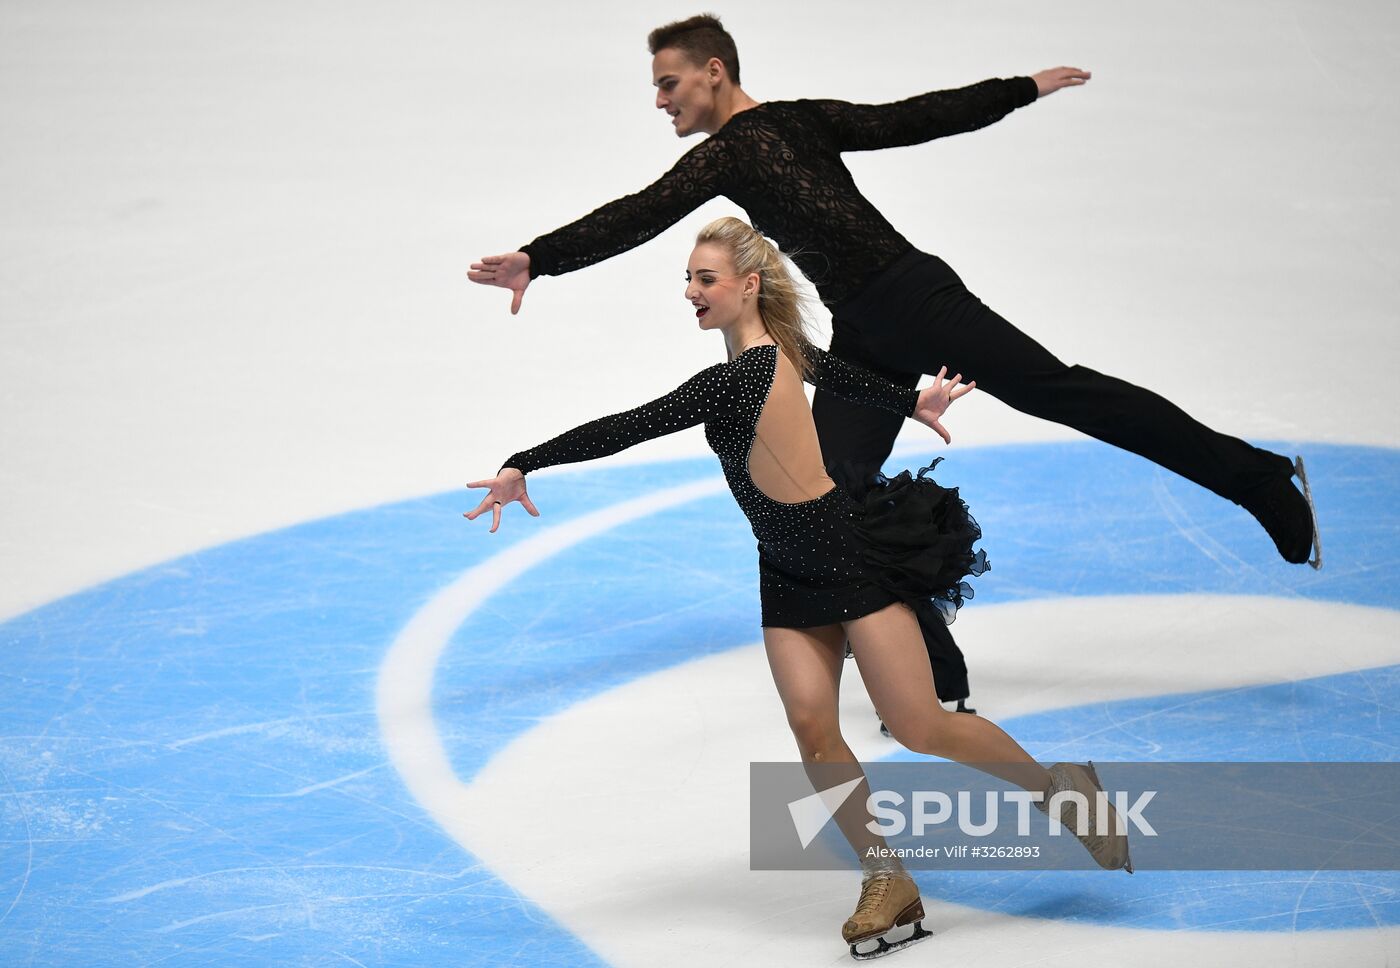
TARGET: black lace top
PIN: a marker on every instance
(728, 398)
(781, 162)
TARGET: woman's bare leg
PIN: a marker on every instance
(889, 649)
(806, 666)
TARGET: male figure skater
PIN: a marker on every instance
(895, 310)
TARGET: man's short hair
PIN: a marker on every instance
(699, 38)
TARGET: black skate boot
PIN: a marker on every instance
(1288, 516)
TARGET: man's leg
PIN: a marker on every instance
(953, 328)
(855, 442)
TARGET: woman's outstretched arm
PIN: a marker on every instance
(693, 402)
(858, 385)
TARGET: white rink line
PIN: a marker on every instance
(635, 836)
(626, 816)
(404, 694)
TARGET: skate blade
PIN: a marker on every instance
(883, 946)
(1302, 474)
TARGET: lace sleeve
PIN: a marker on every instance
(937, 114)
(696, 400)
(633, 219)
(857, 385)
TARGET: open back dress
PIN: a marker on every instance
(824, 557)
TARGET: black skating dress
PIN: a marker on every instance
(830, 559)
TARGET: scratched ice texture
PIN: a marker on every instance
(238, 349)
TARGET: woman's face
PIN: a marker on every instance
(717, 294)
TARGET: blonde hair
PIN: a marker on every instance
(779, 301)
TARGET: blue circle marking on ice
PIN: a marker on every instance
(190, 755)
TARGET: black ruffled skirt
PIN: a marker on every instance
(865, 545)
(917, 539)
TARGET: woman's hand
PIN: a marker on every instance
(935, 399)
(510, 271)
(1050, 81)
(507, 486)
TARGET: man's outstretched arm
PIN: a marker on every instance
(937, 114)
(612, 229)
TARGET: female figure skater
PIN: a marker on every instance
(830, 570)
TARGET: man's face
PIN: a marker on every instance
(684, 90)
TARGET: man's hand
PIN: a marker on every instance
(934, 400)
(510, 271)
(1050, 81)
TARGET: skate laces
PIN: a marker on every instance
(873, 891)
(1095, 841)
(1061, 781)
